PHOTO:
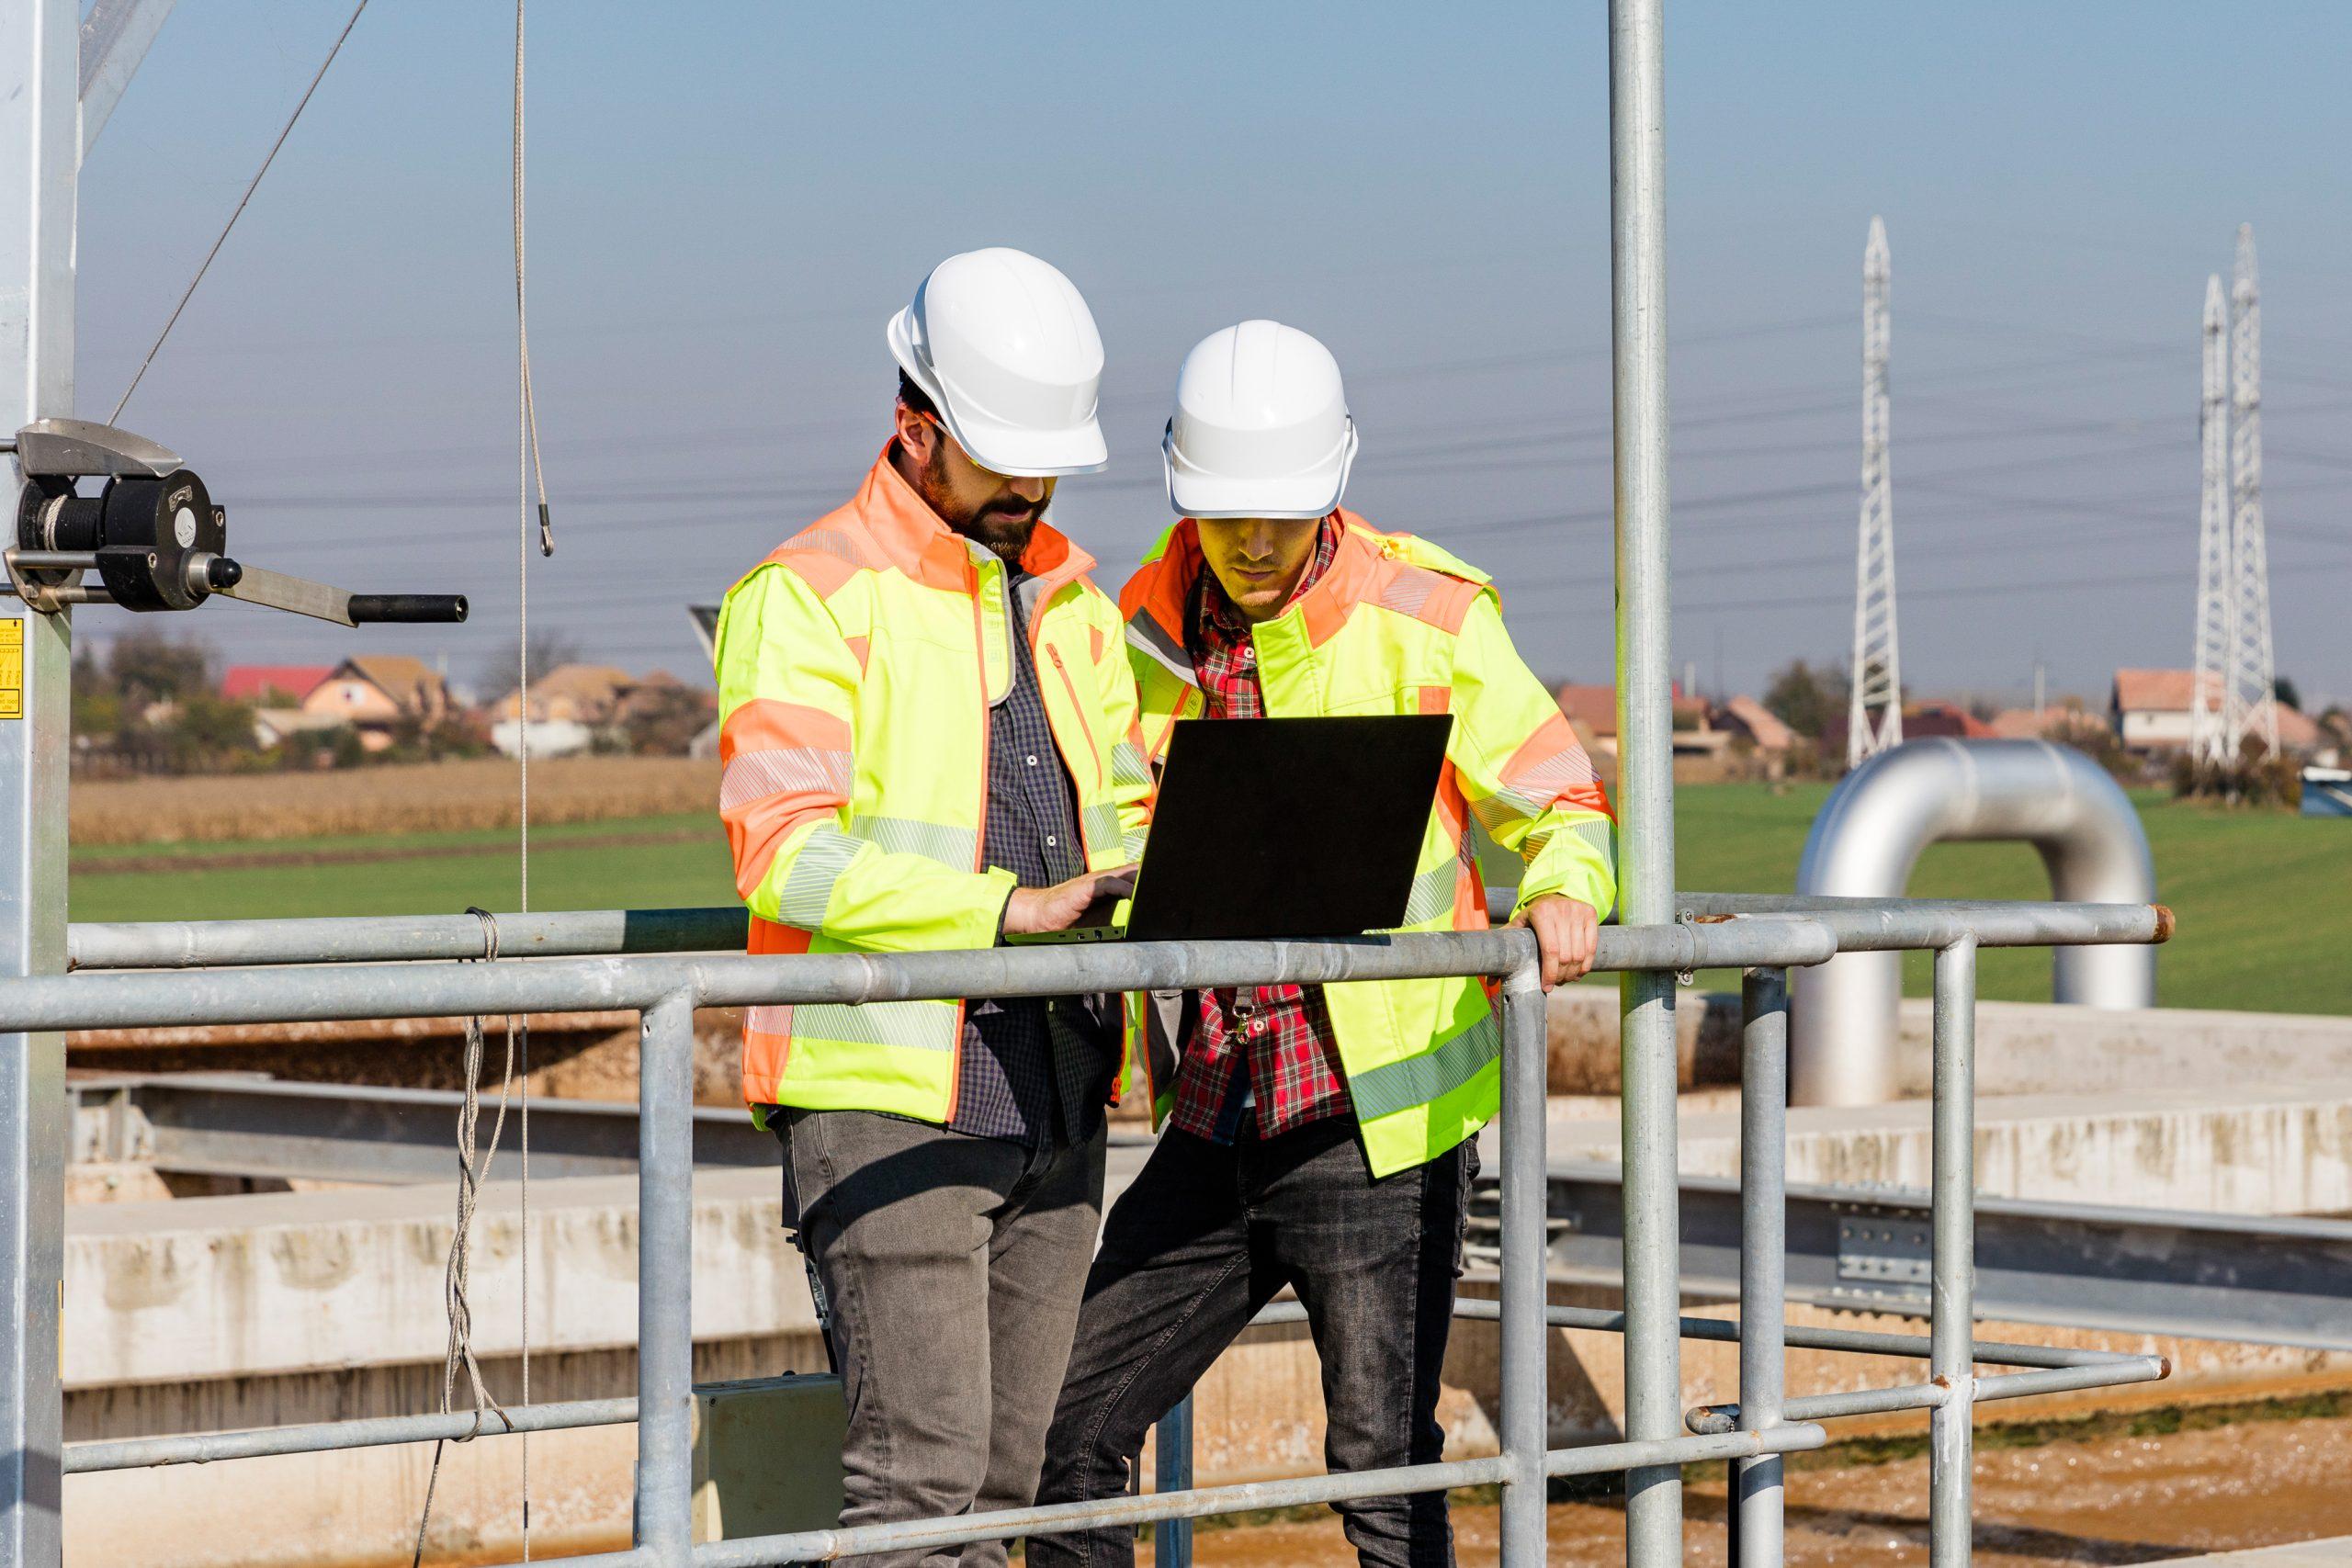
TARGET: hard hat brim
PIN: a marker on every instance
(1000, 448)
(1294, 497)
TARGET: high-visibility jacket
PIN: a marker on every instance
(857, 667)
(1398, 626)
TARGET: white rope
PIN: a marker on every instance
(472, 1167)
(518, 1029)
(223, 238)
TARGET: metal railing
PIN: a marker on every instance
(337, 971)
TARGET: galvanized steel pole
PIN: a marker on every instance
(41, 150)
(1953, 1186)
(1646, 762)
(1171, 1468)
(1763, 1255)
(665, 1212)
(1526, 1429)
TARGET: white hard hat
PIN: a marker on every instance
(1006, 348)
(1261, 428)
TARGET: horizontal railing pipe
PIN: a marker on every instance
(917, 1535)
(206, 1448)
(1875, 925)
(1709, 1420)
(378, 938)
(319, 1437)
(1863, 924)
(150, 999)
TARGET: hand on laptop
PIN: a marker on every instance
(1568, 932)
(1058, 907)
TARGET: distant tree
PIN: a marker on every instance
(2283, 688)
(549, 647)
(2095, 739)
(148, 667)
(1806, 699)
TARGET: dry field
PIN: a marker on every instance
(432, 796)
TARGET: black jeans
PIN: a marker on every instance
(954, 1266)
(1206, 1236)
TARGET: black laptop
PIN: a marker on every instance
(1282, 828)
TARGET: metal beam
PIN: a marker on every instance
(235, 1125)
(1873, 924)
(1646, 765)
(115, 37)
(2198, 1276)
(40, 154)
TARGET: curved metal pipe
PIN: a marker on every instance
(1843, 1017)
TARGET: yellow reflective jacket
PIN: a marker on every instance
(1398, 626)
(857, 667)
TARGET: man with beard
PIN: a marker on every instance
(929, 737)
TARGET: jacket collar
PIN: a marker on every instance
(916, 541)
(1155, 598)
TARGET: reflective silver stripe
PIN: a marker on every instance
(1433, 894)
(1100, 823)
(754, 775)
(1598, 831)
(1566, 769)
(1409, 590)
(1502, 809)
(1147, 635)
(808, 886)
(954, 848)
(1417, 1080)
(1128, 765)
(768, 1019)
(908, 1026)
(1131, 847)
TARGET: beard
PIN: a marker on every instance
(1002, 526)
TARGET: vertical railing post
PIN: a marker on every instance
(1757, 1490)
(1172, 1471)
(665, 1213)
(1526, 1196)
(39, 153)
(1952, 1198)
(1646, 768)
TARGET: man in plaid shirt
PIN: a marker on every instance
(1321, 1140)
(1274, 1037)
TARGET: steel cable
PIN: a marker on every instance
(223, 238)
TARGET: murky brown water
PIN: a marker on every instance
(2112, 1501)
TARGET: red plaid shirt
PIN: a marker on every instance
(1287, 1053)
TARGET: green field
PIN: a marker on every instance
(2265, 900)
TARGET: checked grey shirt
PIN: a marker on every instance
(1033, 1066)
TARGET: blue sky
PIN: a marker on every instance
(727, 201)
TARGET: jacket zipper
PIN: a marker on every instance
(1094, 752)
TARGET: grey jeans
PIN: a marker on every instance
(953, 1267)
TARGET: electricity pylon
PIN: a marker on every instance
(1874, 719)
(2251, 711)
(2211, 740)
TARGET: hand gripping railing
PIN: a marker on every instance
(1718, 932)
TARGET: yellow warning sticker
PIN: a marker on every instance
(12, 668)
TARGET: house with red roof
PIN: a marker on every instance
(272, 685)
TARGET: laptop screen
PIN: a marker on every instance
(1288, 827)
